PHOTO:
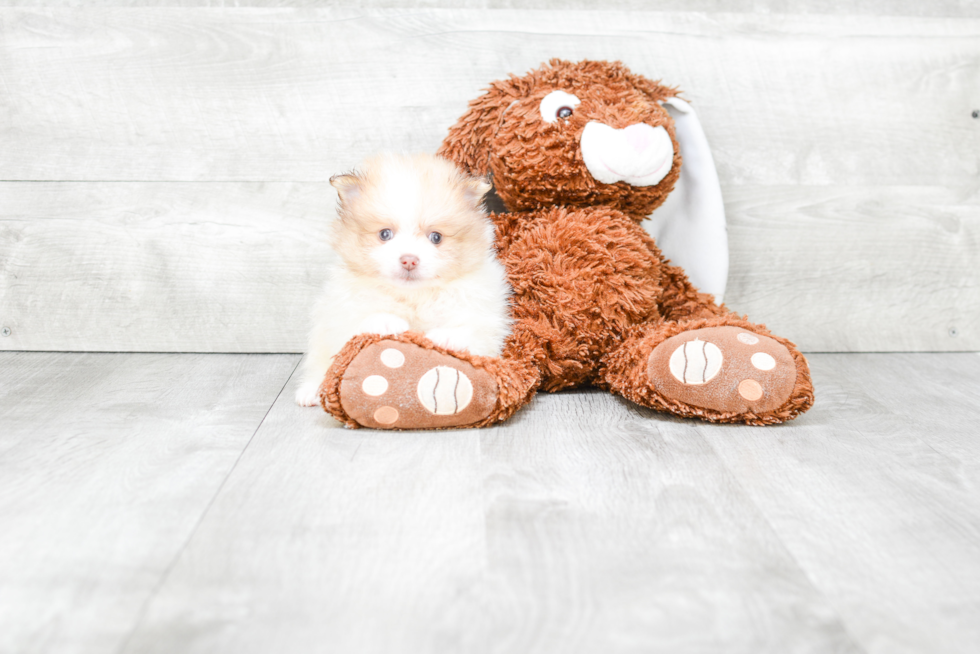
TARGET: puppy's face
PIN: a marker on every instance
(411, 221)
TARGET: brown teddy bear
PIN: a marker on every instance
(579, 153)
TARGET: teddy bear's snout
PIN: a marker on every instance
(640, 139)
(640, 154)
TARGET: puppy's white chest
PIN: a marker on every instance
(428, 311)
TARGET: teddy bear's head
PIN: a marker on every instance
(575, 134)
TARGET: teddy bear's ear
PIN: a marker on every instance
(656, 91)
(348, 187)
(468, 143)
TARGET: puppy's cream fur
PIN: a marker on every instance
(457, 294)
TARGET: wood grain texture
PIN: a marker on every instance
(107, 463)
(858, 269)
(845, 146)
(582, 525)
(254, 94)
(875, 492)
(612, 528)
(161, 267)
(235, 267)
(329, 540)
(947, 8)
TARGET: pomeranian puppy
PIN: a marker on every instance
(416, 252)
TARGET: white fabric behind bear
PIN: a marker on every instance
(690, 226)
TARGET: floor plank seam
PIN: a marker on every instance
(857, 644)
(190, 537)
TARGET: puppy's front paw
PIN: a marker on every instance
(386, 324)
(308, 394)
(450, 338)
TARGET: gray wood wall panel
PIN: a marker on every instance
(107, 463)
(947, 8)
(845, 146)
(235, 267)
(267, 94)
(857, 269)
(220, 267)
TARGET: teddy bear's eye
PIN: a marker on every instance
(385, 234)
(558, 104)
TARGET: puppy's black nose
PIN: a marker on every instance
(409, 261)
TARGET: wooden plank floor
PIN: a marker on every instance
(182, 503)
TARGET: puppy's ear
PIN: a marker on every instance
(474, 188)
(349, 187)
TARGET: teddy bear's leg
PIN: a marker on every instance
(407, 382)
(721, 369)
(681, 301)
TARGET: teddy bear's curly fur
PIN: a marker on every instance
(595, 302)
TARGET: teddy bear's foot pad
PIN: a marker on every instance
(726, 369)
(396, 385)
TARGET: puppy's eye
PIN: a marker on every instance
(385, 234)
(435, 237)
(557, 105)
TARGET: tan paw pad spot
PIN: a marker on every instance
(386, 415)
(750, 389)
(392, 358)
(695, 362)
(444, 391)
(374, 385)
